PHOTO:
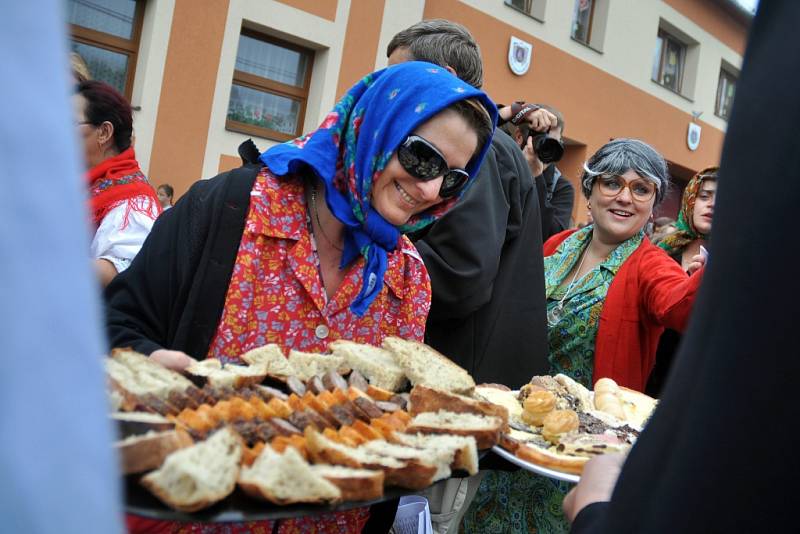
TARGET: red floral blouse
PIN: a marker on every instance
(276, 296)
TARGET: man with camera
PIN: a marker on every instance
(542, 151)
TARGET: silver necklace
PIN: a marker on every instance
(319, 223)
(555, 314)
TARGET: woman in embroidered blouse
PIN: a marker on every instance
(316, 251)
(610, 293)
(122, 202)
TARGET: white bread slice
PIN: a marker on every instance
(355, 484)
(308, 365)
(376, 364)
(485, 429)
(464, 448)
(205, 368)
(439, 457)
(228, 375)
(148, 451)
(137, 423)
(198, 476)
(286, 478)
(136, 375)
(272, 357)
(428, 399)
(409, 474)
(423, 365)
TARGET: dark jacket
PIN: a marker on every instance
(720, 453)
(556, 200)
(487, 275)
(173, 293)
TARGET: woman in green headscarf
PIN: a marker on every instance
(694, 220)
(694, 228)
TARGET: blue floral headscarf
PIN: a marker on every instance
(354, 144)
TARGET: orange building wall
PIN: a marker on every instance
(596, 105)
(321, 8)
(360, 42)
(715, 20)
(190, 74)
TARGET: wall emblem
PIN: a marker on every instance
(693, 136)
(519, 56)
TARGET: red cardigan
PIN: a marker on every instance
(650, 292)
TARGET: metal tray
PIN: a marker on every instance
(544, 471)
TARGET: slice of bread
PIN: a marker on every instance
(441, 458)
(198, 476)
(485, 429)
(228, 375)
(410, 474)
(148, 451)
(272, 357)
(135, 375)
(307, 365)
(376, 364)
(286, 478)
(423, 365)
(464, 448)
(428, 399)
(137, 423)
(355, 484)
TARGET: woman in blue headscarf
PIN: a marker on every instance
(306, 246)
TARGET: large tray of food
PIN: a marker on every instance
(298, 435)
(556, 424)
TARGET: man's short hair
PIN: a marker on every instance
(445, 43)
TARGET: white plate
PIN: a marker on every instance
(544, 471)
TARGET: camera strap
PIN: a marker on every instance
(520, 110)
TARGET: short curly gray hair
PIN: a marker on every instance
(622, 155)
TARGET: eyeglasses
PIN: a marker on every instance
(641, 190)
(84, 122)
(424, 162)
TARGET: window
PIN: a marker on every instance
(533, 8)
(270, 87)
(725, 93)
(105, 33)
(582, 21)
(668, 62)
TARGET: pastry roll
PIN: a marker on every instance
(536, 406)
(558, 423)
(607, 398)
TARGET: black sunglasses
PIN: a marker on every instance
(424, 162)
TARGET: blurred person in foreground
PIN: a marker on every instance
(305, 246)
(123, 204)
(719, 453)
(57, 463)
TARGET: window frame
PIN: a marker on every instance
(723, 72)
(589, 29)
(665, 36)
(113, 43)
(265, 85)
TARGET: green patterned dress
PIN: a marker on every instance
(520, 501)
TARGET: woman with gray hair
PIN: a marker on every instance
(610, 293)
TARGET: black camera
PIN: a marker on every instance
(548, 149)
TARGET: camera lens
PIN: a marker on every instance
(548, 149)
